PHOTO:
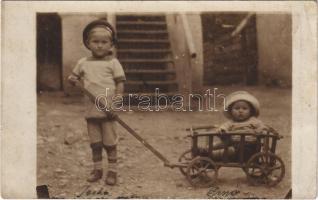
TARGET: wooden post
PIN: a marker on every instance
(273, 147)
(194, 144)
(259, 144)
(242, 146)
(183, 46)
(188, 57)
(210, 145)
(226, 149)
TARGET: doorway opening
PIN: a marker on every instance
(49, 52)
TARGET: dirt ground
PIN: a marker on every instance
(64, 157)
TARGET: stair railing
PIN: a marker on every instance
(188, 34)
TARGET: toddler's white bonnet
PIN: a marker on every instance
(241, 95)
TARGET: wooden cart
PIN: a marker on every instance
(263, 167)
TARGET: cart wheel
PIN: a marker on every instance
(202, 172)
(186, 157)
(265, 168)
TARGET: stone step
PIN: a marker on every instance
(150, 82)
(147, 17)
(147, 65)
(165, 41)
(142, 32)
(135, 23)
(150, 75)
(142, 35)
(150, 61)
(137, 51)
(149, 71)
(144, 53)
(140, 26)
(146, 87)
(143, 43)
(136, 66)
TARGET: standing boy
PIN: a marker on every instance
(100, 72)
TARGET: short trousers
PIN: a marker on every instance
(102, 130)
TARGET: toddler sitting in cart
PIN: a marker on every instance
(245, 142)
(242, 110)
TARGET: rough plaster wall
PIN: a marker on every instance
(72, 44)
(274, 37)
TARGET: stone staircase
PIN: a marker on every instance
(144, 51)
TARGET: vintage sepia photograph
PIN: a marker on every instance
(159, 100)
(202, 106)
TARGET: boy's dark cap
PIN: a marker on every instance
(93, 24)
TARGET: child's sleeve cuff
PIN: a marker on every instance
(120, 79)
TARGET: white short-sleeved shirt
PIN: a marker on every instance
(99, 75)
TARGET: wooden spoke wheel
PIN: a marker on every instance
(202, 172)
(185, 158)
(265, 169)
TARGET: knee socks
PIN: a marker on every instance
(112, 157)
(111, 154)
(97, 155)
